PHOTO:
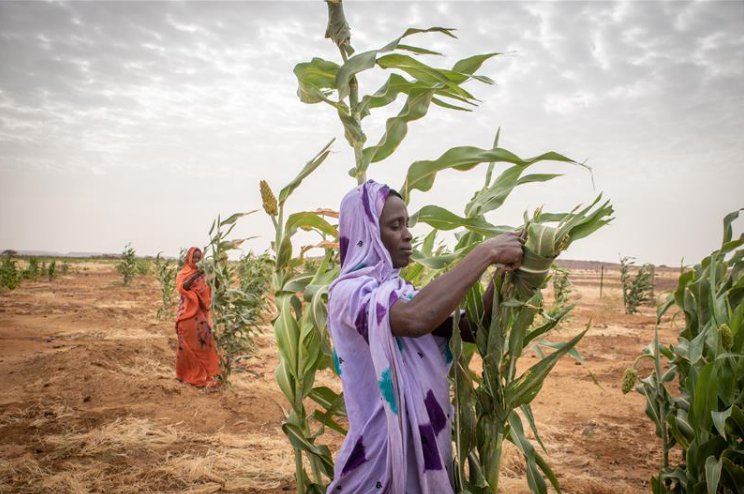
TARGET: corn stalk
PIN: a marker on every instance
(705, 418)
(301, 296)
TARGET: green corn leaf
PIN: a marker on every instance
(545, 328)
(300, 442)
(443, 104)
(712, 473)
(287, 332)
(494, 196)
(318, 310)
(286, 380)
(736, 475)
(471, 65)
(338, 29)
(307, 170)
(327, 421)
(442, 219)
(328, 399)
(366, 60)
(728, 231)
(516, 436)
(314, 79)
(394, 86)
(719, 420)
(527, 411)
(542, 464)
(418, 50)
(352, 127)
(421, 174)
(396, 128)
(519, 327)
(705, 398)
(524, 389)
(424, 73)
(298, 283)
(428, 245)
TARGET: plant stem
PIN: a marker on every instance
(298, 472)
(361, 172)
(661, 396)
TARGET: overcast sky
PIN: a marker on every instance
(141, 121)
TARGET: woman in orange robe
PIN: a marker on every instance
(197, 362)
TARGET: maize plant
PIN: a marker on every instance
(127, 267)
(166, 270)
(703, 414)
(638, 290)
(235, 314)
(65, 268)
(301, 296)
(10, 275)
(487, 404)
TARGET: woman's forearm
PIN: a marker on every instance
(436, 301)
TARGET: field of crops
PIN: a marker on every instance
(551, 375)
(90, 402)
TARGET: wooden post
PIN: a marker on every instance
(601, 280)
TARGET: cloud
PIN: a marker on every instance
(172, 91)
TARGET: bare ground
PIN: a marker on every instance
(90, 403)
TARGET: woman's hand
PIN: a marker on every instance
(505, 249)
(187, 284)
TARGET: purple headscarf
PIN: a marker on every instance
(395, 388)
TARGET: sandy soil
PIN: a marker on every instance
(89, 401)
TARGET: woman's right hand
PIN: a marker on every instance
(505, 249)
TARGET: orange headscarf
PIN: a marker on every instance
(199, 294)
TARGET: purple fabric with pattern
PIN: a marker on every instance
(394, 397)
(356, 457)
(436, 414)
(343, 248)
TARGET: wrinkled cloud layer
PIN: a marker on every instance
(140, 121)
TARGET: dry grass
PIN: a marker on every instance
(144, 368)
(36, 415)
(200, 463)
(131, 434)
(248, 461)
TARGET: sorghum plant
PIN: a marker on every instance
(638, 290)
(166, 270)
(235, 318)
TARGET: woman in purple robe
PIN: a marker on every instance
(391, 347)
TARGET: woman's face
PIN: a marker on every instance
(394, 231)
(196, 257)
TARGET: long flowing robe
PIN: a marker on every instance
(197, 362)
(395, 388)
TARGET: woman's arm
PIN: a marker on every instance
(431, 306)
(468, 327)
(187, 284)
